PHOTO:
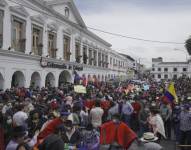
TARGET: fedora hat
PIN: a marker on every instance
(149, 137)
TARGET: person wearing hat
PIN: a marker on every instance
(185, 125)
(149, 140)
(54, 140)
(50, 127)
(71, 135)
(19, 136)
(156, 122)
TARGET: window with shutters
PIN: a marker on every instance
(52, 45)
(85, 56)
(18, 34)
(90, 57)
(99, 59)
(95, 58)
(77, 52)
(67, 52)
(37, 43)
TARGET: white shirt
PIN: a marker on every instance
(96, 116)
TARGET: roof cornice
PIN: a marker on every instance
(42, 4)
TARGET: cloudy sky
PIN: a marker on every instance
(161, 20)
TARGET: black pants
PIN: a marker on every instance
(167, 126)
(185, 139)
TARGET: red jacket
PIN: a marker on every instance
(120, 133)
(49, 129)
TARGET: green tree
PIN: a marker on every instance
(188, 45)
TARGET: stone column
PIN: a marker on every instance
(97, 57)
(7, 29)
(45, 41)
(72, 49)
(7, 78)
(87, 54)
(81, 52)
(28, 36)
(60, 44)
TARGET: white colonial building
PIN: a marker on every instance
(44, 41)
(169, 70)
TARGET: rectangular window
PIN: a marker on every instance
(166, 69)
(106, 61)
(166, 76)
(174, 69)
(77, 52)
(184, 69)
(159, 76)
(159, 69)
(1, 29)
(37, 40)
(52, 45)
(175, 76)
(67, 48)
(95, 58)
(99, 59)
(85, 56)
(18, 34)
(153, 69)
(90, 57)
(102, 61)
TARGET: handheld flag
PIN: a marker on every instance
(170, 94)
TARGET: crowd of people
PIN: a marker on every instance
(107, 117)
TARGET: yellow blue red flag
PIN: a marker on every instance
(170, 94)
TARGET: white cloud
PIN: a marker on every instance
(143, 23)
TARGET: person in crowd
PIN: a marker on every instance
(23, 146)
(50, 127)
(166, 114)
(117, 134)
(19, 136)
(20, 117)
(54, 141)
(176, 121)
(35, 122)
(143, 119)
(71, 135)
(185, 126)
(90, 138)
(150, 142)
(96, 114)
(156, 123)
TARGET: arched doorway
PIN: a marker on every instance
(1, 82)
(65, 77)
(18, 79)
(50, 80)
(35, 80)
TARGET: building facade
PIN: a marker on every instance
(169, 70)
(43, 42)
